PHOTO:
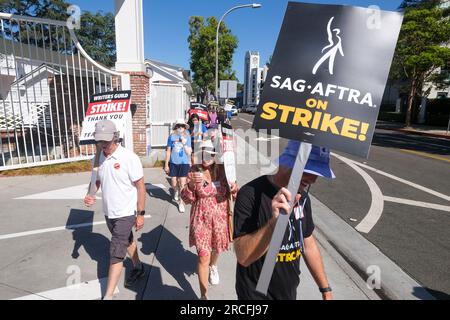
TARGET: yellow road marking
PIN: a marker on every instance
(424, 154)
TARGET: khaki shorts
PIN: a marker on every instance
(122, 237)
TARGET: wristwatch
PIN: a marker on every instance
(141, 213)
(327, 289)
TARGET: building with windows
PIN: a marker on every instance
(254, 76)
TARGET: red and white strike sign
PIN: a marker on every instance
(112, 106)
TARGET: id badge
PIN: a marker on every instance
(298, 211)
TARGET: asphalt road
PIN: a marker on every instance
(398, 198)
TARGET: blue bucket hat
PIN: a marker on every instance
(318, 161)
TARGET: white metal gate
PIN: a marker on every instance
(46, 80)
(168, 102)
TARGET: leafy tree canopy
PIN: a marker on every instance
(422, 48)
(202, 43)
(96, 33)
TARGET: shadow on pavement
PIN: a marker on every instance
(95, 244)
(174, 259)
(160, 291)
(139, 286)
(97, 247)
(439, 295)
(159, 193)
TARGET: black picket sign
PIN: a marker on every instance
(328, 73)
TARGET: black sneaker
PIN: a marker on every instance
(134, 276)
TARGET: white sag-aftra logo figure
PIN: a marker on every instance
(332, 48)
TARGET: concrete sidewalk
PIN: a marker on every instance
(348, 258)
(42, 235)
(173, 264)
(42, 255)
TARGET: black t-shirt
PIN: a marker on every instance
(253, 209)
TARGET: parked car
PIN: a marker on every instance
(234, 111)
(251, 109)
(200, 109)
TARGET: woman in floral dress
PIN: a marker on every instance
(208, 192)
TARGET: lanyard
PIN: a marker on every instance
(302, 248)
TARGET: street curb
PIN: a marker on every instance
(362, 254)
(421, 133)
(434, 135)
(345, 266)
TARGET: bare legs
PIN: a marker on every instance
(113, 278)
(133, 253)
(177, 183)
(203, 265)
(115, 270)
(203, 274)
(182, 182)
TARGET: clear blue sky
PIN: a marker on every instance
(166, 25)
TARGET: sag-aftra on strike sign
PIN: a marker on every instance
(328, 75)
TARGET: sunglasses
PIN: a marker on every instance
(210, 152)
(102, 142)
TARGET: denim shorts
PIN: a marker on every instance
(178, 170)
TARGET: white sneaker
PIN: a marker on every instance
(176, 195)
(181, 207)
(213, 275)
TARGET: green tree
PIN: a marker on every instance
(49, 9)
(422, 49)
(98, 38)
(202, 43)
(96, 35)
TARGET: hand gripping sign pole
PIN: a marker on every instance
(93, 185)
(283, 219)
(311, 97)
(226, 136)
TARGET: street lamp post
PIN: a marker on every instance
(254, 6)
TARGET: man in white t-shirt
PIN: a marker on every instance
(121, 178)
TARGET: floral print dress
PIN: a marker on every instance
(208, 229)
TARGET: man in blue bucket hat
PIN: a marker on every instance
(318, 162)
(257, 207)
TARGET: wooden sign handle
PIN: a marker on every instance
(283, 219)
(93, 185)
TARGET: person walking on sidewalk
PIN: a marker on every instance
(214, 122)
(197, 132)
(228, 110)
(178, 155)
(256, 211)
(121, 178)
(208, 192)
(221, 116)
